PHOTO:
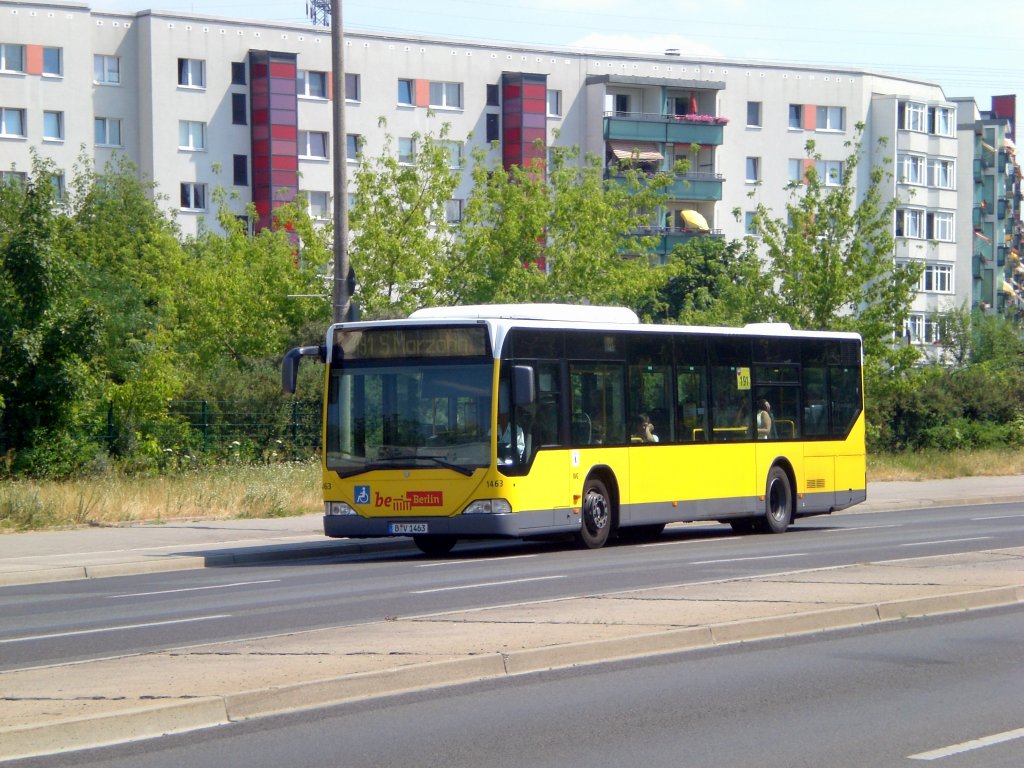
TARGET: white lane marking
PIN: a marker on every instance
(863, 528)
(477, 562)
(688, 541)
(967, 746)
(194, 589)
(747, 559)
(114, 629)
(188, 549)
(486, 584)
(996, 517)
(945, 541)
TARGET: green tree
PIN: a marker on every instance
(401, 237)
(830, 256)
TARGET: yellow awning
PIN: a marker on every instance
(1006, 288)
(695, 220)
(637, 151)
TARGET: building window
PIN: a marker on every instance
(831, 119)
(922, 329)
(241, 170)
(313, 144)
(53, 126)
(493, 132)
(406, 92)
(830, 172)
(12, 57)
(108, 131)
(192, 73)
(318, 204)
(238, 73)
(53, 62)
(795, 168)
(239, 109)
(406, 150)
(353, 145)
(454, 151)
(12, 122)
(936, 278)
(753, 170)
(942, 174)
(911, 169)
(554, 103)
(911, 116)
(748, 223)
(910, 223)
(753, 114)
(106, 69)
(620, 104)
(13, 178)
(493, 95)
(193, 196)
(191, 135)
(446, 95)
(796, 116)
(353, 86)
(453, 211)
(58, 185)
(312, 84)
(940, 226)
(942, 121)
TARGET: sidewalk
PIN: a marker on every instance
(86, 704)
(29, 558)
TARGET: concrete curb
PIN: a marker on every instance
(165, 718)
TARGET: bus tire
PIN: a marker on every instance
(596, 515)
(435, 546)
(778, 502)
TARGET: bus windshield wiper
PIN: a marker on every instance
(448, 465)
(397, 461)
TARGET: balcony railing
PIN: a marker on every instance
(689, 186)
(670, 237)
(675, 129)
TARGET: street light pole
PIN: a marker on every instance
(320, 12)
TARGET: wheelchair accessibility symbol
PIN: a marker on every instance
(362, 494)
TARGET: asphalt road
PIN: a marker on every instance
(65, 621)
(943, 691)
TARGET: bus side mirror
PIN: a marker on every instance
(290, 365)
(525, 391)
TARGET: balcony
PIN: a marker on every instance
(672, 129)
(670, 237)
(690, 186)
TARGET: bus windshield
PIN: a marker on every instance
(410, 414)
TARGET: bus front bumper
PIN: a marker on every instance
(516, 525)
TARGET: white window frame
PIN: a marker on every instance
(196, 194)
(12, 57)
(942, 226)
(922, 329)
(942, 173)
(748, 223)
(912, 169)
(306, 145)
(758, 121)
(106, 70)
(445, 95)
(58, 184)
(353, 146)
(406, 150)
(936, 278)
(411, 84)
(454, 151)
(829, 118)
(312, 84)
(111, 126)
(192, 135)
(318, 204)
(54, 132)
(9, 116)
(192, 73)
(795, 170)
(915, 117)
(554, 103)
(752, 164)
(913, 222)
(453, 210)
(795, 117)
(59, 72)
(944, 121)
(830, 172)
(353, 87)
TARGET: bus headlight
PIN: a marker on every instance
(488, 507)
(338, 508)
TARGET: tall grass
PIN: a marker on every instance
(935, 464)
(227, 491)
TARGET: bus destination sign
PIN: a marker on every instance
(397, 343)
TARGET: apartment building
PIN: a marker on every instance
(199, 102)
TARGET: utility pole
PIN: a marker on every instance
(323, 12)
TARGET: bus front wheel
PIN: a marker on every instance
(435, 546)
(596, 524)
(778, 502)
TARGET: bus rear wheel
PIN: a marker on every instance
(778, 502)
(435, 546)
(596, 525)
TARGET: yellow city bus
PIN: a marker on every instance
(539, 420)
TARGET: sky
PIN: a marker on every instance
(969, 49)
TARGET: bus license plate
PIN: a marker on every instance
(407, 528)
